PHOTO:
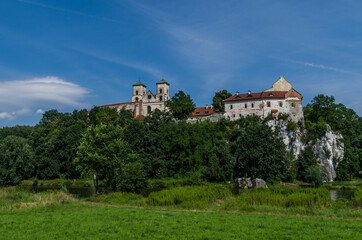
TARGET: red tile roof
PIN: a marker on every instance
(140, 117)
(274, 110)
(114, 104)
(261, 95)
(202, 111)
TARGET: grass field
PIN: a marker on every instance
(86, 221)
(193, 212)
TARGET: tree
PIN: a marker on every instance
(260, 153)
(217, 100)
(341, 119)
(306, 160)
(103, 153)
(16, 160)
(181, 105)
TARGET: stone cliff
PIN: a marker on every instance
(329, 148)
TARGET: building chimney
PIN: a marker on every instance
(206, 106)
(249, 92)
(211, 106)
(237, 93)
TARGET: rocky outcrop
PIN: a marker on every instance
(329, 148)
(247, 183)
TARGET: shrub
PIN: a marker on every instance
(357, 197)
(268, 118)
(284, 116)
(315, 175)
(292, 126)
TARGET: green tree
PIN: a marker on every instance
(103, 152)
(305, 161)
(16, 160)
(260, 153)
(181, 105)
(341, 119)
(218, 99)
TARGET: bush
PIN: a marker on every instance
(283, 116)
(292, 126)
(268, 118)
(189, 196)
(315, 175)
(357, 197)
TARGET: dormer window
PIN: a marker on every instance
(270, 94)
(237, 96)
(197, 112)
(207, 112)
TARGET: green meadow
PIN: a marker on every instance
(192, 212)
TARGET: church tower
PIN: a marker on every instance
(162, 94)
(139, 90)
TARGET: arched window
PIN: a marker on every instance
(148, 109)
(160, 98)
(161, 90)
(136, 99)
(136, 92)
(149, 96)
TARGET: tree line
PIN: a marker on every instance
(124, 153)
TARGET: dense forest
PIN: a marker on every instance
(127, 154)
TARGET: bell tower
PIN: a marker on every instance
(163, 88)
(139, 90)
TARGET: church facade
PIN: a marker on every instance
(144, 102)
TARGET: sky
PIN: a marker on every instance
(74, 54)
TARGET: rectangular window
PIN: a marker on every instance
(293, 104)
(231, 106)
(246, 105)
(280, 104)
(268, 104)
(136, 92)
(160, 98)
(252, 105)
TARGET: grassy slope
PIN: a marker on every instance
(83, 221)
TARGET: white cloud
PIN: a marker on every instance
(7, 116)
(39, 111)
(23, 97)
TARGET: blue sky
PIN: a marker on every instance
(70, 54)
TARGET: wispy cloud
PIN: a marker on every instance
(70, 11)
(211, 55)
(320, 66)
(23, 97)
(123, 62)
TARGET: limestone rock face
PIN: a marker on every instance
(259, 183)
(329, 148)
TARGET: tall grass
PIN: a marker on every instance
(280, 198)
(121, 198)
(16, 198)
(190, 196)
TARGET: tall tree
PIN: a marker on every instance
(16, 160)
(181, 105)
(217, 100)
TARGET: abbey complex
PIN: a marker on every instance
(281, 98)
